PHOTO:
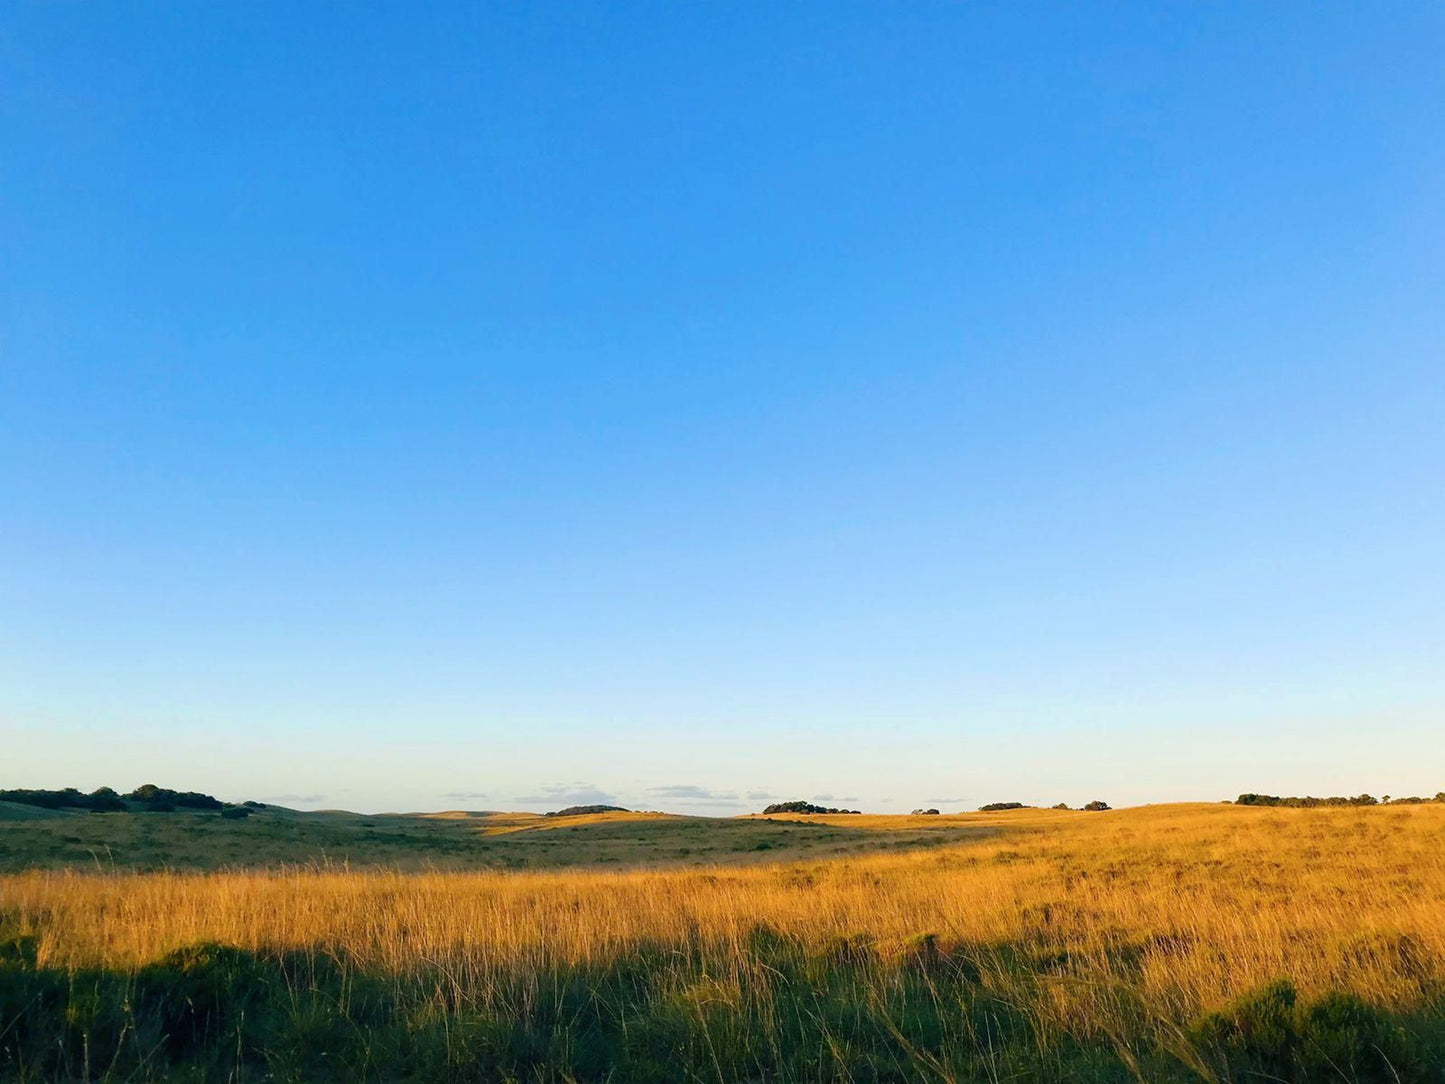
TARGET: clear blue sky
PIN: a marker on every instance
(412, 406)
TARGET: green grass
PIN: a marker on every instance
(276, 837)
(778, 1009)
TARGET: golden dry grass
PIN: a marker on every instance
(1214, 899)
(1097, 921)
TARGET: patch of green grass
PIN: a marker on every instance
(271, 838)
(779, 1010)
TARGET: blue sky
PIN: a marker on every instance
(500, 405)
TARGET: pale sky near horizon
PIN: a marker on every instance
(691, 406)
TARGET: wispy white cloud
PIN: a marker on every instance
(692, 792)
(569, 794)
(293, 799)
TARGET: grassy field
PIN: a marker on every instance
(1187, 943)
(278, 837)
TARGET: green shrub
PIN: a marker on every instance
(1256, 1029)
(1307, 802)
(162, 800)
(200, 991)
(1269, 1032)
(803, 807)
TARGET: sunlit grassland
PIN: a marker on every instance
(1133, 945)
(131, 842)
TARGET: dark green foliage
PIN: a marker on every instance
(235, 813)
(1097, 806)
(106, 800)
(995, 807)
(803, 807)
(579, 810)
(149, 798)
(658, 1014)
(198, 993)
(17, 950)
(1258, 1028)
(1270, 1033)
(103, 800)
(1303, 803)
(161, 799)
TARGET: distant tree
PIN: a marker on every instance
(102, 801)
(1307, 802)
(579, 810)
(106, 800)
(1062, 805)
(156, 799)
(995, 807)
(1097, 807)
(149, 797)
(803, 807)
(925, 813)
(235, 813)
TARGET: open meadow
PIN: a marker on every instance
(1184, 942)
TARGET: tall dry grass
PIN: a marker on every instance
(1117, 929)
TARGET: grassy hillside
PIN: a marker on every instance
(1179, 943)
(276, 837)
(15, 811)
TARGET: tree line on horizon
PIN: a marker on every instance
(147, 798)
(1311, 802)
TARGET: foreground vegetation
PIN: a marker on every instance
(1213, 943)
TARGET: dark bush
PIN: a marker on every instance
(18, 950)
(579, 810)
(149, 798)
(199, 991)
(1257, 1028)
(103, 800)
(1097, 806)
(1267, 1032)
(1304, 803)
(235, 813)
(161, 799)
(803, 807)
(106, 800)
(995, 807)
